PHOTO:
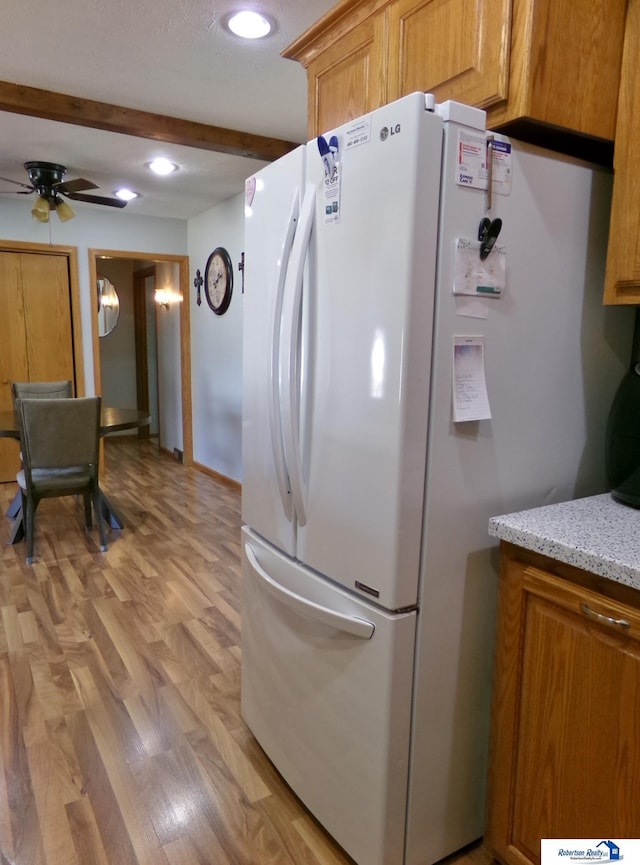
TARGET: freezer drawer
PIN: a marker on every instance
(326, 690)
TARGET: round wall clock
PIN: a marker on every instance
(218, 280)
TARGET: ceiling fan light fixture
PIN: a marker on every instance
(63, 211)
(41, 209)
(249, 25)
(162, 166)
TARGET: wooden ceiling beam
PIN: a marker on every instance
(20, 99)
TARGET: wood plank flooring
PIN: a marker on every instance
(121, 740)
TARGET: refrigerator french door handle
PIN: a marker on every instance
(275, 409)
(303, 606)
(289, 353)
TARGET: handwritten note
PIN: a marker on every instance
(470, 398)
(473, 276)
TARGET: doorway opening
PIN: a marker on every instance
(151, 364)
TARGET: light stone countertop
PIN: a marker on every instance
(596, 534)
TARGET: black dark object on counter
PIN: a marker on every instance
(622, 445)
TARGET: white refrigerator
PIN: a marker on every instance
(401, 386)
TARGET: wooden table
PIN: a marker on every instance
(112, 419)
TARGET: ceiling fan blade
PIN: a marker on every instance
(79, 185)
(97, 199)
(18, 183)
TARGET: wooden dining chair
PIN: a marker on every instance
(61, 451)
(37, 390)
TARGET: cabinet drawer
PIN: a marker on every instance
(601, 616)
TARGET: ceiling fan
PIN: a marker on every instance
(47, 180)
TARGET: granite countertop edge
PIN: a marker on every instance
(596, 534)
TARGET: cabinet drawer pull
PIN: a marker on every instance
(605, 620)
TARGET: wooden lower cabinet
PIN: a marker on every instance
(36, 331)
(565, 752)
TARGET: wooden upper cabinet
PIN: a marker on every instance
(452, 48)
(622, 280)
(348, 77)
(564, 73)
(546, 71)
(344, 54)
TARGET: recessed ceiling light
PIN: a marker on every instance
(162, 166)
(126, 194)
(249, 25)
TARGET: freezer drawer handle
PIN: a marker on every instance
(350, 624)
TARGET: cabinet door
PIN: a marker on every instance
(622, 281)
(564, 67)
(13, 352)
(349, 78)
(565, 749)
(36, 333)
(451, 48)
(47, 315)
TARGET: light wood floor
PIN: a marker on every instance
(121, 740)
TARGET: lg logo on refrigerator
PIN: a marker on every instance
(385, 132)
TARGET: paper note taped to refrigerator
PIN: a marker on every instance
(470, 398)
(473, 276)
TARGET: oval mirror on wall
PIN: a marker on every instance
(108, 306)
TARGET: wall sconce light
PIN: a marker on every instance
(166, 296)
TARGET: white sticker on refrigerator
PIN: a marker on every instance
(471, 169)
(358, 133)
(470, 398)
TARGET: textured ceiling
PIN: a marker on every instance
(163, 56)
